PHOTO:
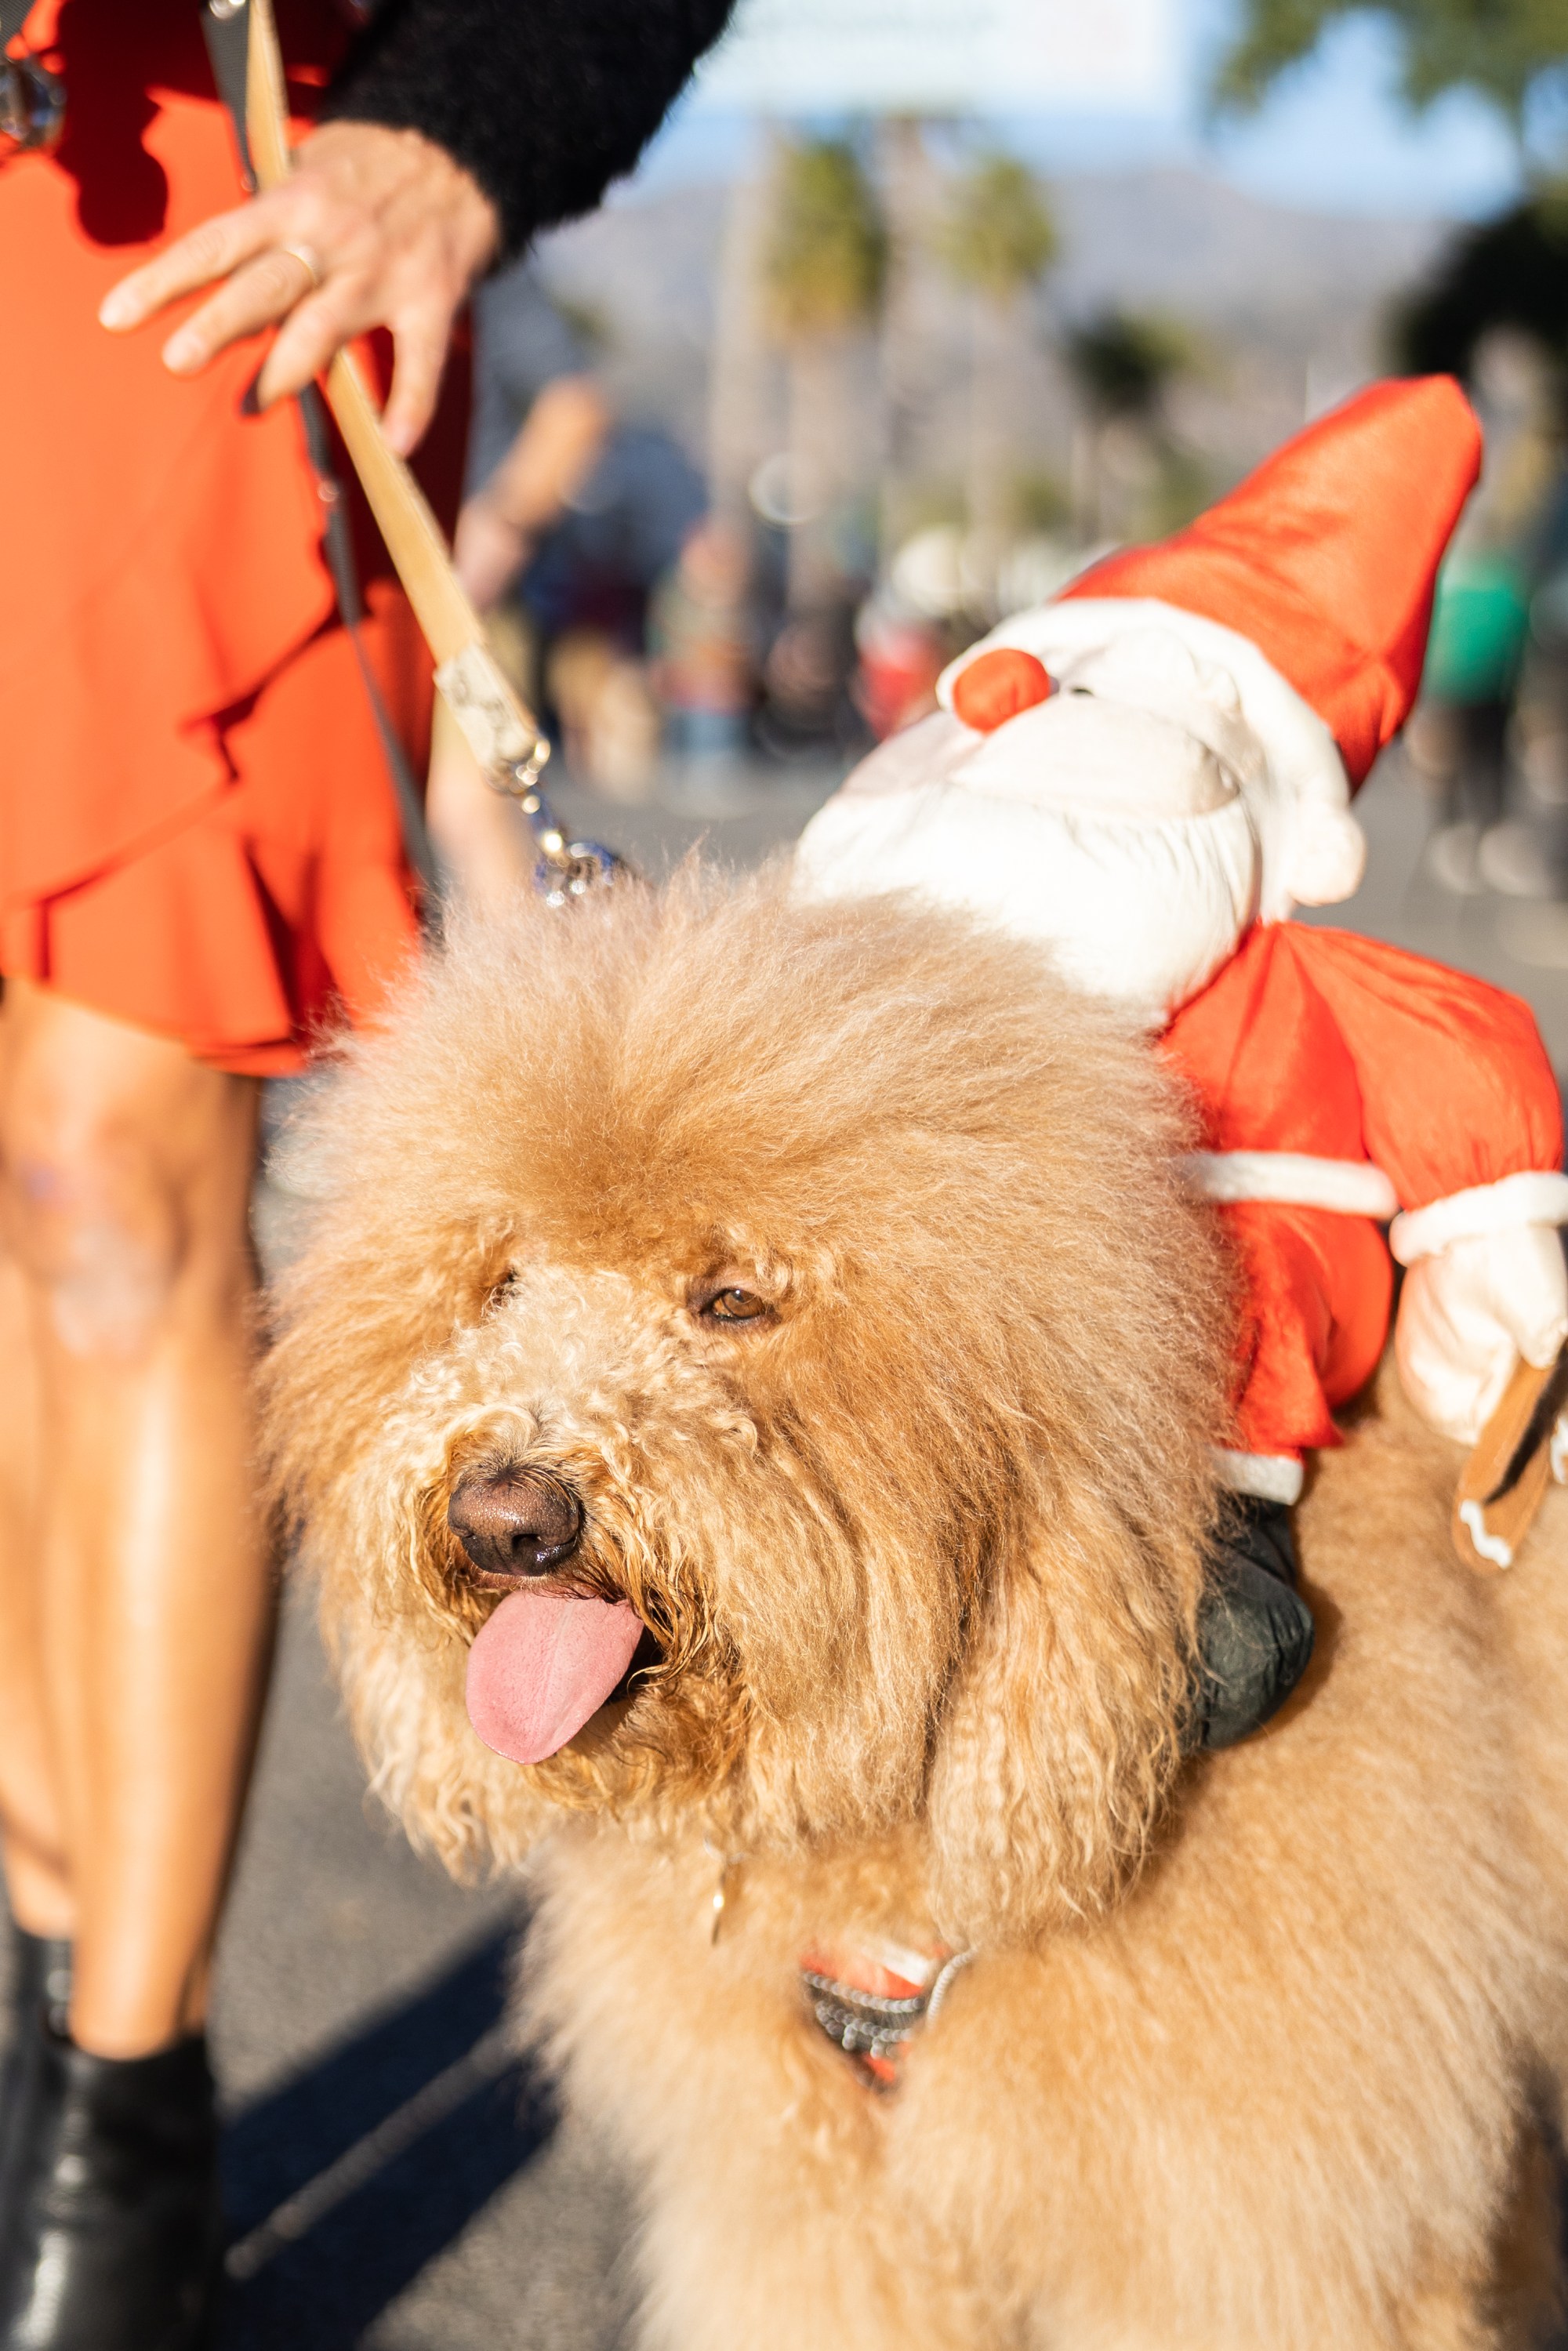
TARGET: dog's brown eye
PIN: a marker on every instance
(737, 1306)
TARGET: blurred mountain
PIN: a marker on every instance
(1287, 307)
(1179, 240)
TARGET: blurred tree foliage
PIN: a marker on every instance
(1511, 272)
(1509, 48)
(823, 272)
(998, 237)
(826, 254)
(1123, 362)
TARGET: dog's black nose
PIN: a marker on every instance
(515, 1522)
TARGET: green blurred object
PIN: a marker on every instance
(1480, 624)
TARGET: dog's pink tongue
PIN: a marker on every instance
(542, 1665)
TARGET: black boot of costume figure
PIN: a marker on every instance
(40, 1985)
(1254, 1630)
(113, 2238)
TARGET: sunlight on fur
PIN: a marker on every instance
(1251, 2054)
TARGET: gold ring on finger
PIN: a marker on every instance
(311, 259)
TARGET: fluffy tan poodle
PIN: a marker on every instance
(757, 1364)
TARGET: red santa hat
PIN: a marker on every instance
(1327, 555)
(1301, 602)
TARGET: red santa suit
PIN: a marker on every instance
(1331, 1047)
(1151, 773)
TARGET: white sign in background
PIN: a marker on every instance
(934, 57)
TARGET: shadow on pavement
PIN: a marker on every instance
(342, 2184)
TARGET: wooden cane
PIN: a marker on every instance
(499, 729)
(1504, 1482)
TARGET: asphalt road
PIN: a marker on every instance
(393, 2178)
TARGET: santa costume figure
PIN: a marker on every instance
(1151, 773)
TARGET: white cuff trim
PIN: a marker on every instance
(1271, 1477)
(1533, 1198)
(1352, 1188)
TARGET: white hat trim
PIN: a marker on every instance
(1313, 849)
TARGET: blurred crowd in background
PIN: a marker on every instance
(1491, 733)
(900, 420)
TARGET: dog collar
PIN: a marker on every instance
(870, 1999)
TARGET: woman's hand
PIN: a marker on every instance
(376, 228)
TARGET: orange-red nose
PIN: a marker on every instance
(998, 685)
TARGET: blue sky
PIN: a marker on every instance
(1334, 137)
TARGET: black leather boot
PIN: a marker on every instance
(113, 2238)
(40, 1974)
(1255, 1631)
(40, 1984)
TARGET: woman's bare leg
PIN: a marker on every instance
(32, 1829)
(134, 1575)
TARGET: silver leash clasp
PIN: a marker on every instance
(566, 869)
(512, 753)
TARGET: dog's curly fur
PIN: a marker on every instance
(1252, 2055)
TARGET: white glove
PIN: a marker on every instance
(1468, 1313)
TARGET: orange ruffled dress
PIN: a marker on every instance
(197, 830)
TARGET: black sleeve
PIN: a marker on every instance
(544, 101)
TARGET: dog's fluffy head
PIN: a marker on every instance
(919, 1544)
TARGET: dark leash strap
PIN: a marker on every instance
(502, 733)
(338, 539)
(226, 24)
(226, 29)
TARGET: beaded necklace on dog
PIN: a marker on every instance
(870, 1998)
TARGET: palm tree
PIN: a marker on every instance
(999, 240)
(740, 376)
(823, 265)
(1122, 364)
(911, 187)
(1510, 272)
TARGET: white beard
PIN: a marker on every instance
(1141, 911)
